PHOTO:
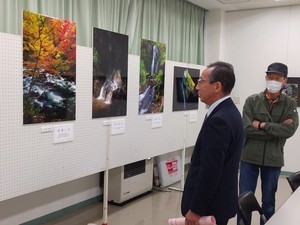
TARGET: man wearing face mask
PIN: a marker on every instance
(269, 118)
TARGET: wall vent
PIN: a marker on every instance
(134, 169)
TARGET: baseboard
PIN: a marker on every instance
(285, 173)
(64, 211)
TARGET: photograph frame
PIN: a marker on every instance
(292, 89)
(110, 73)
(185, 95)
(49, 69)
(153, 56)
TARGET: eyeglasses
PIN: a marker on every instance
(201, 80)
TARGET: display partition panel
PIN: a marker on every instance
(30, 161)
(49, 69)
(110, 66)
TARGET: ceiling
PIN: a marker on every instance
(233, 5)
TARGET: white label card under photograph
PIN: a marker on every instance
(46, 129)
(157, 121)
(118, 126)
(63, 133)
(193, 116)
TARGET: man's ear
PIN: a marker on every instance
(218, 86)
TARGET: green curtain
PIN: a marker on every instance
(177, 23)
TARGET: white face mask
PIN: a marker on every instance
(273, 86)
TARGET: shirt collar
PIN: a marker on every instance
(215, 104)
(271, 101)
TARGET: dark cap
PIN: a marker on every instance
(279, 68)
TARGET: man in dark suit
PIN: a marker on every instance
(212, 180)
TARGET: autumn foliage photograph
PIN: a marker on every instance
(49, 69)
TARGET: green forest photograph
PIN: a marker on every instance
(152, 77)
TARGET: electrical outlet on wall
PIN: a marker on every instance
(236, 100)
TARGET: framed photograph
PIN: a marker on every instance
(110, 68)
(49, 69)
(292, 89)
(185, 96)
(152, 77)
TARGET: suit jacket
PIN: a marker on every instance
(211, 186)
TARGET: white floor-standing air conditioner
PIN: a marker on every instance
(130, 180)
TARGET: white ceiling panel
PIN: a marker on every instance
(232, 1)
(233, 5)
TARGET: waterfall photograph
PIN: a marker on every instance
(152, 75)
(110, 65)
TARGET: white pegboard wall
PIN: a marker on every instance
(29, 161)
(11, 82)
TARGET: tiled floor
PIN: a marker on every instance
(153, 209)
